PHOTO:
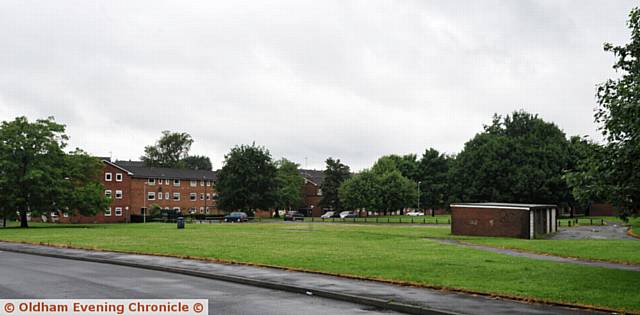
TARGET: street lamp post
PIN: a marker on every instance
(419, 182)
(144, 208)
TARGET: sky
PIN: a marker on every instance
(308, 80)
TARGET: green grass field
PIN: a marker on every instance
(438, 219)
(389, 252)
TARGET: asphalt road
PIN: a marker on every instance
(30, 276)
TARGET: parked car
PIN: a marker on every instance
(236, 217)
(293, 216)
(347, 214)
(415, 213)
(330, 214)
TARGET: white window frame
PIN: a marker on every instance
(193, 183)
(151, 195)
(208, 196)
(202, 183)
(107, 212)
(151, 181)
(108, 177)
(166, 196)
(118, 192)
(176, 194)
(118, 210)
(201, 210)
(193, 196)
(208, 183)
(176, 182)
(65, 214)
(119, 177)
(160, 196)
(176, 208)
(108, 193)
(201, 196)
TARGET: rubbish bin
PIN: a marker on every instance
(180, 221)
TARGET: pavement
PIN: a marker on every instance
(375, 294)
(26, 276)
(610, 231)
(570, 260)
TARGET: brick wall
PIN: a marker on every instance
(140, 187)
(312, 199)
(490, 222)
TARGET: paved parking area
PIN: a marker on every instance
(611, 231)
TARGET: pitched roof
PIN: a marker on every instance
(314, 176)
(138, 169)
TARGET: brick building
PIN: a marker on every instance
(134, 188)
(312, 192)
(503, 219)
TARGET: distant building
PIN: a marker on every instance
(312, 192)
(503, 219)
(134, 188)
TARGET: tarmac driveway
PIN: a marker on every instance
(611, 231)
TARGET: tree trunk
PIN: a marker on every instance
(23, 219)
(4, 220)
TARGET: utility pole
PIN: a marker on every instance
(419, 182)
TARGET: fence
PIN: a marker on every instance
(577, 221)
(367, 220)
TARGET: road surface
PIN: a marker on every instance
(30, 276)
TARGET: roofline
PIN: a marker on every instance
(481, 206)
(173, 177)
(118, 166)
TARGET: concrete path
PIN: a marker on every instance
(510, 252)
(415, 300)
(611, 231)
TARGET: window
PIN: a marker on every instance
(107, 193)
(107, 212)
(193, 196)
(151, 195)
(201, 183)
(166, 195)
(176, 209)
(176, 182)
(160, 196)
(319, 192)
(118, 194)
(107, 177)
(65, 214)
(208, 183)
(151, 181)
(118, 212)
(201, 209)
(193, 183)
(208, 196)
(201, 196)
(118, 177)
(166, 181)
(207, 210)
(176, 196)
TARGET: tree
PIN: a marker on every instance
(361, 191)
(396, 191)
(39, 177)
(247, 180)
(588, 176)
(196, 162)
(408, 165)
(289, 185)
(433, 171)
(334, 175)
(519, 158)
(619, 115)
(169, 151)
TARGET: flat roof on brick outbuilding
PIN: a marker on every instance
(499, 205)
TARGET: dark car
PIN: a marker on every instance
(293, 216)
(236, 217)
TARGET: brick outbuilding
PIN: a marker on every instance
(503, 219)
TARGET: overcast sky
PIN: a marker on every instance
(307, 79)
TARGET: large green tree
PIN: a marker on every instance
(334, 175)
(289, 185)
(361, 191)
(39, 177)
(247, 180)
(169, 150)
(518, 158)
(196, 162)
(433, 171)
(619, 115)
(588, 174)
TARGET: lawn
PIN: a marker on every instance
(438, 219)
(389, 252)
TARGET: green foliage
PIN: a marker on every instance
(169, 150)
(290, 184)
(520, 158)
(588, 174)
(334, 175)
(247, 181)
(196, 162)
(433, 171)
(39, 177)
(381, 188)
(619, 114)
